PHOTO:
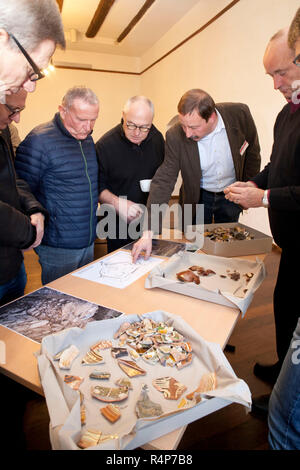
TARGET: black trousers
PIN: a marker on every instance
(286, 300)
(119, 235)
(217, 209)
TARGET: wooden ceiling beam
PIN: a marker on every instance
(99, 17)
(60, 4)
(135, 20)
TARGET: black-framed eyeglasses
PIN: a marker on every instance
(296, 61)
(133, 127)
(37, 74)
(12, 110)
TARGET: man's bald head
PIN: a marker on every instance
(278, 63)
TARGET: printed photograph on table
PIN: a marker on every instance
(47, 311)
(162, 247)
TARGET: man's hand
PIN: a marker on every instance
(144, 244)
(38, 221)
(129, 210)
(240, 184)
(126, 209)
(245, 194)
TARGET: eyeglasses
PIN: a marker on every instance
(12, 110)
(133, 127)
(37, 74)
(296, 61)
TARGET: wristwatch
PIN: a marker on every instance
(265, 200)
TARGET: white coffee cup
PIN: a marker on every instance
(145, 185)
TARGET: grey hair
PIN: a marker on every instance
(31, 22)
(79, 92)
(140, 99)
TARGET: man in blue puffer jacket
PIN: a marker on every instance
(58, 161)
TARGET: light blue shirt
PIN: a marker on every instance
(216, 159)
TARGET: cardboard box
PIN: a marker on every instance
(261, 243)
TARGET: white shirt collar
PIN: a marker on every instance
(219, 127)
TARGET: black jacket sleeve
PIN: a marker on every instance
(17, 230)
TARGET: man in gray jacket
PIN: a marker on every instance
(211, 145)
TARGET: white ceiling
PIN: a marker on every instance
(159, 18)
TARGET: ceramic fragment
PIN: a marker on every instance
(99, 375)
(89, 438)
(68, 356)
(145, 408)
(109, 394)
(207, 383)
(91, 358)
(170, 387)
(119, 352)
(130, 368)
(111, 413)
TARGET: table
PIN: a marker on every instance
(213, 322)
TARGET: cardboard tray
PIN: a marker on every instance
(214, 289)
(64, 403)
(261, 243)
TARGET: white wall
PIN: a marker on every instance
(112, 90)
(225, 60)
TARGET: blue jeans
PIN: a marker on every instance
(57, 262)
(217, 209)
(15, 288)
(284, 406)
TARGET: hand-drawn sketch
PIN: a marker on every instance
(117, 270)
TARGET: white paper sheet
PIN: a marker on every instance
(117, 270)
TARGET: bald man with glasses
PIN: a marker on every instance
(277, 188)
(128, 154)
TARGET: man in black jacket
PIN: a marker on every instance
(22, 219)
(277, 187)
(29, 33)
(129, 155)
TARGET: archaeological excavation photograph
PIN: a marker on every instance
(46, 311)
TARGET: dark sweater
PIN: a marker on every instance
(282, 176)
(122, 164)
